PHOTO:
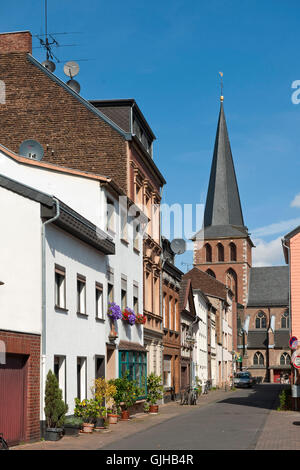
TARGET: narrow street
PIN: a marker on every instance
(233, 423)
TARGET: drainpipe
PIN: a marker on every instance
(290, 295)
(44, 290)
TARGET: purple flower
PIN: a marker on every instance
(131, 319)
(114, 311)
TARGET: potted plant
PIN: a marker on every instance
(88, 410)
(129, 316)
(140, 319)
(55, 408)
(154, 392)
(72, 425)
(146, 407)
(104, 391)
(126, 395)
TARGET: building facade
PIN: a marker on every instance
(171, 278)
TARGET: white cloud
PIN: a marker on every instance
(267, 253)
(296, 201)
(279, 227)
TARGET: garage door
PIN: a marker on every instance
(12, 398)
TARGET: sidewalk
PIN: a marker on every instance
(122, 429)
(279, 432)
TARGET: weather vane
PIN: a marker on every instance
(221, 83)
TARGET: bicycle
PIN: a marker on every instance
(3, 443)
(189, 396)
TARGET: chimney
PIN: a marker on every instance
(20, 41)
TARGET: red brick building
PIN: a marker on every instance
(104, 137)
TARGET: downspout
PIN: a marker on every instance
(290, 296)
(161, 291)
(44, 290)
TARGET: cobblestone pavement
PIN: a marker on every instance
(124, 429)
(281, 431)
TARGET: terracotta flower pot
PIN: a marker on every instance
(88, 427)
(124, 415)
(112, 418)
(153, 409)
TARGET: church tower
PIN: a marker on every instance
(222, 248)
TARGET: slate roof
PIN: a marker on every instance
(257, 339)
(69, 220)
(223, 205)
(269, 286)
(206, 283)
(221, 231)
(282, 338)
(130, 346)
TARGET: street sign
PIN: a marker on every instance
(296, 360)
(293, 342)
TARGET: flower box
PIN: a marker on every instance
(114, 311)
(140, 319)
(129, 316)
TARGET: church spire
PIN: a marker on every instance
(223, 205)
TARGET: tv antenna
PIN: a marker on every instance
(48, 42)
(186, 264)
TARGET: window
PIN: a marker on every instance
(220, 252)
(135, 362)
(175, 315)
(123, 293)
(110, 215)
(135, 298)
(60, 287)
(232, 248)
(164, 310)
(208, 253)
(261, 320)
(81, 294)
(170, 313)
(99, 300)
(60, 373)
(167, 371)
(81, 378)
(211, 273)
(110, 293)
(258, 359)
(285, 320)
(136, 231)
(285, 359)
(123, 217)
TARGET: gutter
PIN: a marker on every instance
(44, 290)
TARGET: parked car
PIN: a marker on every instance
(243, 379)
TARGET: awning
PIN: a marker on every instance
(129, 346)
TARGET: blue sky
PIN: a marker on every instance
(167, 55)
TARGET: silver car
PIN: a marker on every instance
(243, 379)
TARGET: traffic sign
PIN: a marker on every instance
(296, 360)
(293, 342)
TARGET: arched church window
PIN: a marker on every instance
(211, 273)
(231, 281)
(261, 320)
(285, 320)
(208, 253)
(285, 359)
(258, 359)
(232, 248)
(220, 252)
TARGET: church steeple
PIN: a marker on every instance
(223, 205)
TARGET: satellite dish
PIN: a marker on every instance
(71, 69)
(178, 246)
(74, 85)
(31, 149)
(49, 65)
